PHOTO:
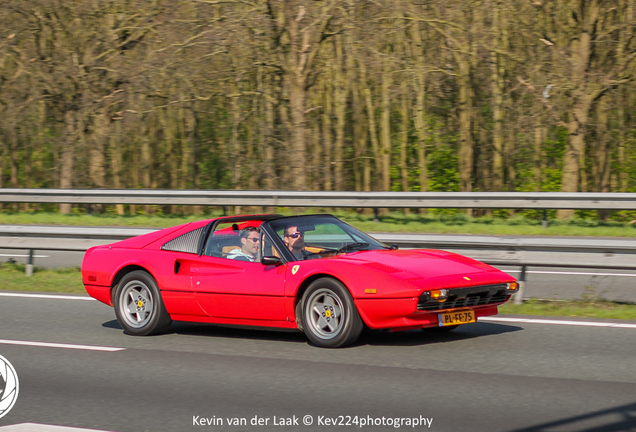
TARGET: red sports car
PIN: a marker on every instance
(313, 273)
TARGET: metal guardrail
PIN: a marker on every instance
(353, 199)
(576, 252)
(573, 252)
(56, 238)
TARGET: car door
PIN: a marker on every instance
(233, 289)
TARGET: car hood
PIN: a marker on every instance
(425, 264)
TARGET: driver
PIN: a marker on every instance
(250, 243)
(295, 242)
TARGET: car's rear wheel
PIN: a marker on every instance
(138, 305)
(329, 315)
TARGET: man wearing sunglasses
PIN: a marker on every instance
(295, 241)
(250, 244)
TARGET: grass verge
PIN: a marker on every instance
(601, 309)
(70, 281)
(63, 280)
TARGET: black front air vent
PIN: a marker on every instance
(466, 297)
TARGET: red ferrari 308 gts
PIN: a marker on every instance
(313, 273)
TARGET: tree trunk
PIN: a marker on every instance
(236, 160)
(498, 126)
(404, 138)
(317, 179)
(623, 175)
(3, 156)
(97, 164)
(146, 164)
(296, 79)
(419, 109)
(341, 94)
(326, 132)
(465, 127)
(116, 163)
(602, 156)
(385, 127)
(266, 137)
(167, 120)
(359, 130)
(571, 173)
(68, 155)
(582, 98)
(422, 135)
(537, 153)
(375, 147)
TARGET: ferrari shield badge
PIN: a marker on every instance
(295, 269)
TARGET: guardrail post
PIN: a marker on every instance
(376, 215)
(522, 284)
(544, 220)
(29, 266)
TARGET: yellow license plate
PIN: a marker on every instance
(457, 317)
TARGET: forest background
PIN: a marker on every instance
(365, 95)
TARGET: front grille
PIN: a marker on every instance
(463, 297)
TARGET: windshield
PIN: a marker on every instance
(310, 237)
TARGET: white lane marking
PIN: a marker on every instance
(58, 345)
(558, 322)
(35, 427)
(46, 296)
(571, 273)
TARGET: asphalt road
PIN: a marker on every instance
(489, 376)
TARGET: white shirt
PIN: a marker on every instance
(238, 253)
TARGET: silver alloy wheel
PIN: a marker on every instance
(136, 304)
(325, 314)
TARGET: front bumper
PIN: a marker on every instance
(402, 314)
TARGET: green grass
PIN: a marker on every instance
(573, 308)
(70, 281)
(393, 222)
(66, 280)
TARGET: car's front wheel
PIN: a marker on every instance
(329, 315)
(138, 305)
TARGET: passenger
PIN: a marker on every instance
(250, 244)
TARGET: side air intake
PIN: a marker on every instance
(188, 242)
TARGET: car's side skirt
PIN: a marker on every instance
(237, 322)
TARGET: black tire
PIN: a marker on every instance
(299, 316)
(329, 315)
(138, 305)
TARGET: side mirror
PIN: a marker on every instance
(270, 260)
(394, 247)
